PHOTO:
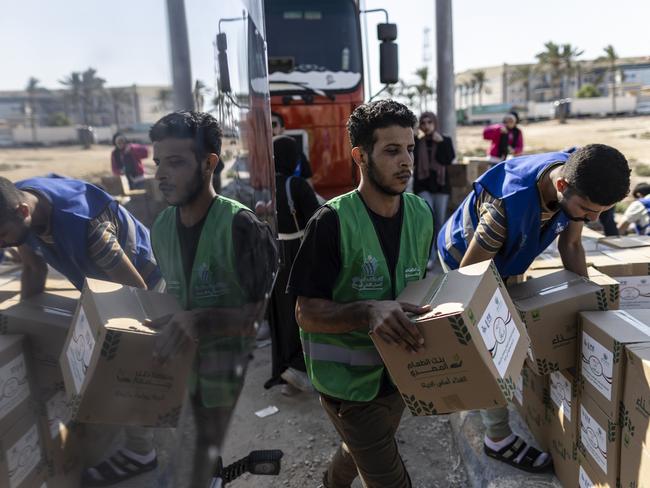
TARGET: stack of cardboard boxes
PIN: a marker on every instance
(66, 361)
(556, 345)
(595, 412)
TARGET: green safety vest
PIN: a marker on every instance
(213, 284)
(347, 366)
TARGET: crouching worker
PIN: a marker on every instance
(81, 231)
(219, 260)
(514, 212)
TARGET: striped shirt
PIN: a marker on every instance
(492, 228)
(103, 247)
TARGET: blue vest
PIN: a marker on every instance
(515, 183)
(74, 204)
(643, 230)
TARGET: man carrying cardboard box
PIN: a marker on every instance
(514, 212)
(358, 253)
(219, 261)
(81, 231)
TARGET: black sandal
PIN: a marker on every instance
(109, 475)
(512, 451)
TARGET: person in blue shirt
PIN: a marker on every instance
(638, 213)
(515, 210)
(81, 231)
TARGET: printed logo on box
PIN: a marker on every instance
(23, 457)
(14, 387)
(499, 332)
(80, 349)
(59, 413)
(634, 291)
(583, 479)
(597, 365)
(594, 438)
(561, 393)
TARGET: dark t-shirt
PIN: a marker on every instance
(304, 201)
(318, 263)
(255, 251)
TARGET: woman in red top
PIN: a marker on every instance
(505, 139)
(126, 159)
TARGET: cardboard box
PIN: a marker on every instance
(635, 418)
(457, 174)
(476, 167)
(21, 456)
(625, 242)
(16, 395)
(589, 476)
(630, 267)
(563, 396)
(603, 335)
(108, 365)
(45, 320)
(63, 442)
(531, 400)
(563, 448)
(116, 185)
(599, 440)
(475, 343)
(549, 307)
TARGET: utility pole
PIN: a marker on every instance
(445, 64)
(180, 55)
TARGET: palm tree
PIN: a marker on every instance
(165, 100)
(73, 85)
(31, 89)
(479, 81)
(611, 57)
(423, 87)
(559, 61)
(522, 74)
(91, 87)
(118, 97)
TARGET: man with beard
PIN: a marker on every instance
(359, 252)
(81, 231)
(514, 212)
(219, 260)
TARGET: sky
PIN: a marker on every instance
(126, 40)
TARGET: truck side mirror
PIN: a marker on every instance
(222, 59)
(388, 59)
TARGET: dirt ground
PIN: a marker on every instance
(631, 135)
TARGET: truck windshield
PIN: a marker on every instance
(313, 45)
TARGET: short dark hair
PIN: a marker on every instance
(202, 127)
(118, 134)
(599, 173)
(641, 189)
(10, 198)
(376, 115)
(279, 117)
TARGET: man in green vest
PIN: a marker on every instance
(358, 253)
(219, 260)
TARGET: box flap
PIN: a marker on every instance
(624, 326)
(553, 288)
(624, 242)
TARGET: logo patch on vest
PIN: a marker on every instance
(369, 281)
(412, 274)
(207, 286)
(559, 227)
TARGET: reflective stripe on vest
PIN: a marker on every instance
(328, 352)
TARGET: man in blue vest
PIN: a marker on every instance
(514, 212)
(81, 231)
(638, 213)
(359, 251)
